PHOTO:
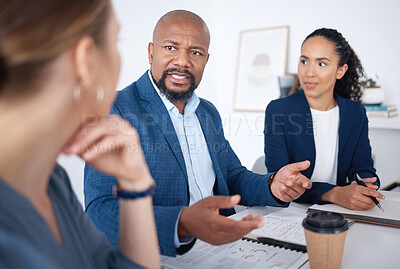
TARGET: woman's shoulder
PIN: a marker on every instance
(60, 183)
(350, 106)
(288, 103)
(59, 174)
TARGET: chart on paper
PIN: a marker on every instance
(240, 254)
(284, 225)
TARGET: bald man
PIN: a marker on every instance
(194, 167)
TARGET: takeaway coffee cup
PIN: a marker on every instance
(325, 235)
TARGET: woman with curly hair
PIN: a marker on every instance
(325, 124)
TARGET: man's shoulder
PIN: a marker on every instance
(126, 102)
(207, 105)
(127, 94)
(208, 109)
(128, 98)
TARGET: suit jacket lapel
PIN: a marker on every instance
(342, 134)
(158, 114)
(208, 130)
(308, 134)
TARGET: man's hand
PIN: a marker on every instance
(288, 183)
(202, 220)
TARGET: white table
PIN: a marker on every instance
(367, 245)
(371, 246)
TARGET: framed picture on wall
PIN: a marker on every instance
(262, 59)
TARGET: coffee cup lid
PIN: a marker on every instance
(325, 222)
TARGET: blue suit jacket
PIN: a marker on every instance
(140, 104)
(289, 138)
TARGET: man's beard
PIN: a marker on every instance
(176, 96)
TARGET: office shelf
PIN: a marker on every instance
(384, 123)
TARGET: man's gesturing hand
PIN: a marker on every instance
(288, 183)
(202, 220)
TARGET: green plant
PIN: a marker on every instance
(369, 82)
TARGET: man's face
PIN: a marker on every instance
(178, 56)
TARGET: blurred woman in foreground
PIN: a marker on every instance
(59, 67)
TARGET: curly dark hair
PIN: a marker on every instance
(349, 85)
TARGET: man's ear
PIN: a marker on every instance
(85, 60)
(150, 50)
(341, 71)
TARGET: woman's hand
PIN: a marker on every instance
(111, 145)
(369, 182)
(354, 196)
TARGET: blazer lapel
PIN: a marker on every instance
(342, 134)
(157, 112)
(208, 130)
(308, 134)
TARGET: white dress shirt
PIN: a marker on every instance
(199, 167)
(326, 138)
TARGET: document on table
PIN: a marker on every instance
(240, 254)
(391, 215)
(284, 225)
(281, 224)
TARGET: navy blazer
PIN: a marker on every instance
(289, 138)
(140, 104)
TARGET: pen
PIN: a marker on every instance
(361, 182)
(283, 244)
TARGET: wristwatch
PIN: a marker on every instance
(132, 194)
(270, 180)
(269, 186)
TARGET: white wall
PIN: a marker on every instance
(369, 26)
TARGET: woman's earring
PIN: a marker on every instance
(100, 94)
(77, 91)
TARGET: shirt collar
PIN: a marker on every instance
(190, 107)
